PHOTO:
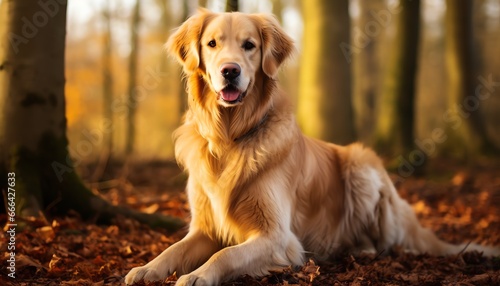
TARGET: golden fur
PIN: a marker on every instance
(262, 195)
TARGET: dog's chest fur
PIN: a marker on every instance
(219, 195)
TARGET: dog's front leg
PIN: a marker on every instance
(182, 257)
(254, 257)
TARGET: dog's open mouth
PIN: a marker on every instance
(231, 94)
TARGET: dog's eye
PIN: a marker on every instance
(212, 44)
(248, 46)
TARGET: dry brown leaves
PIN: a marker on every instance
(67, 251)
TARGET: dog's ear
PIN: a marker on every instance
(277, 46)
(184, 43)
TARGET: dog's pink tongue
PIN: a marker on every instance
(230, 94)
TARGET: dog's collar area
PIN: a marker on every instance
(254, 129)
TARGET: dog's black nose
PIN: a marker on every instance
(230, 70)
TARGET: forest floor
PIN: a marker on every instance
(460, 205)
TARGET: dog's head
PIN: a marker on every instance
(230, 50)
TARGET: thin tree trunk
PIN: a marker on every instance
(325, 107)
(183, 98)
(466, 131)
(395, 119)
(132, 82)
(165, 29)
(232, 5)
(202, 3)
(278, 9)
(107, 95)
(365, 67)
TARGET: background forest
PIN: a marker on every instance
(112, 52)
(87, 86)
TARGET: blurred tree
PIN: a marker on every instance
(278, 9)
(165, 15)
(3, 22)
(165, 22)
(395, 114)
(183, 98)
(232, 5)
(365, 37)
(33, 139)
(202, 3)
(107, 94)
(325, 107)
(486, 33)
(164, 30)
(132, 90)
(465, 129)
(3, 150)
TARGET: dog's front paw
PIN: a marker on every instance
(193, 280)
(143, 273)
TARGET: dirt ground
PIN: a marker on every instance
(459, 205)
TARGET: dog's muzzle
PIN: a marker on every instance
(231, 94)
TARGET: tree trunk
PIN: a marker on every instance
(465, 129)
(231, 5)
(325, 107)
(34, 126)
(165, 29)
(107, 96)
(278, 9)
(3, 148)
(32, 95)
(395, 118)
(202, 3)
(365, 36)
(132, 81)
(183, 97)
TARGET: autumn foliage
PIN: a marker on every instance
(461, 206)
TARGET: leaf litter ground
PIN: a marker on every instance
(462, 206)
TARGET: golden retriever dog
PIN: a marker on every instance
(262, 195)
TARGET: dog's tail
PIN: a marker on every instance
(422, 240)
(419, 239)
